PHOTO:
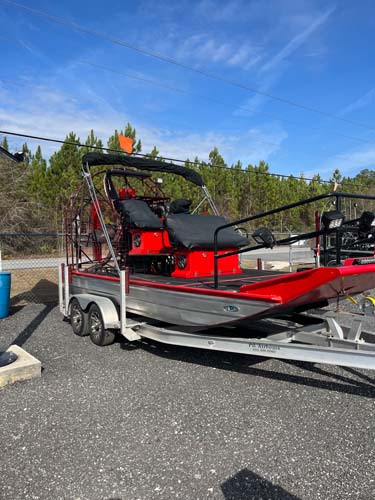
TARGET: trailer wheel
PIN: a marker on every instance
(78, 319)
(98, 333)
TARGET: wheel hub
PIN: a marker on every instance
(95, 325)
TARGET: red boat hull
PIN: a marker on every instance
(191, 302)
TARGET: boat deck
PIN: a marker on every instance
(230, 282)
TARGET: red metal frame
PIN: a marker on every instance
(94, 225)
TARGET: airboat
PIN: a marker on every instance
(146, 266)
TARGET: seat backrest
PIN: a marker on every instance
(197, 231)
(180, 206)
(137, 214)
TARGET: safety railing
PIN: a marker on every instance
(338, 197)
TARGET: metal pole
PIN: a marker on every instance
(6, 358)
(66, 290)
(338, 233)
(123, 292)
(210, 200)
(290, 254)
(60, 271)
(317, 240)
(87, 177)
(260, 265)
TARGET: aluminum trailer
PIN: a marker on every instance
(302, 337)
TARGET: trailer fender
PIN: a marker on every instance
(106, 306)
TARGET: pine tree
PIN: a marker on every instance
(114, 142)
(26, 154)
(63, 176)
(4, 143)
(91, 144)
(336, 177)
(37, 185)
(131, 132)
(154, 153)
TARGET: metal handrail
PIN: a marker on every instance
(296, 204)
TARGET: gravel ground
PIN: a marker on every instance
(126, 422)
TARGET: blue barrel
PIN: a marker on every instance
(4, 294)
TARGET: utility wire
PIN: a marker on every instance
(104, 36)
(152, 82)
(188, 92)
(222, 103)
(163, 158)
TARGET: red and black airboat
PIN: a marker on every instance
(153, 267)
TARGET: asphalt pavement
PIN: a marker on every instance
(296, 254)
(146, 422)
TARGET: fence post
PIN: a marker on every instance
(260, 264)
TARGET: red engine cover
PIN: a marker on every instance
(146, 242)
(196, 263)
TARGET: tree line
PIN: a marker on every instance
(42, 187)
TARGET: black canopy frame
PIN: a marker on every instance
(93, 159)
(116, 172)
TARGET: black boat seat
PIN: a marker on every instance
(180, 206)
(137, 214)
(197, 232)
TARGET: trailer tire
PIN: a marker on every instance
(99, 335)
(78, 319)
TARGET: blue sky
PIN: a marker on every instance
(317, 53)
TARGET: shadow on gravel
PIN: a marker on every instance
(26, 333)
(43, 292)
(242, 363)
(246, 485)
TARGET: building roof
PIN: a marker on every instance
(17, 157)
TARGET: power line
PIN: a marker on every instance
(183, 91)
(175, 160)
(188, 92)
(77, 27)
(152, 82)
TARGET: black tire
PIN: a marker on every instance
(98, 334)
(78, 319)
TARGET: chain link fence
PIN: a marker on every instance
(33, 259)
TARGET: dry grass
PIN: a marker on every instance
(34, 285)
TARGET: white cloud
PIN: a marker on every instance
(349, 163)
(365, 100)
(249, 146)
(206, 49)
(54, 115)
(298, 40)
(271, 71)
(230, 10)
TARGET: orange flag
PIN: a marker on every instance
(126, 143)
